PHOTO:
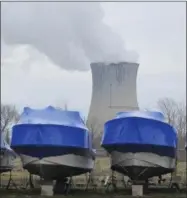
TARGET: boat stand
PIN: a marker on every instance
(111, 181)
(29, 183)
(63, 186)
(90, 181)
(11, 181)
(174, 183)
(69, 185)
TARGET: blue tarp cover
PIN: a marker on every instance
(138, 127)
(51, 127)
(155, 115)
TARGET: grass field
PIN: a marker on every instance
(153, 193)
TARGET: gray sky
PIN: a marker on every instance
(156, 31)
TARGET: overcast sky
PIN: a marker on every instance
(31, 75)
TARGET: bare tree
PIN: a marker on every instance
(95, 131)
(9, 116)
(175, 114)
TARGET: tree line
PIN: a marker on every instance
(175, 115)
(174, 112)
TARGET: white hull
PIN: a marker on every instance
(149, 164)
(59, 166)
(142, 159)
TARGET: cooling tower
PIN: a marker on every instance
(113, 90)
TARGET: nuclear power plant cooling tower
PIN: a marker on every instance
(113, 90)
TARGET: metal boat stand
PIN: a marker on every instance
(63, 185)
(111, 181)
(90, 180)
(174, 182)
(69, 185)
(11, 181)
(29, 183)
(175, 179)
(127, 183)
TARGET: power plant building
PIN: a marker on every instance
(113, 90)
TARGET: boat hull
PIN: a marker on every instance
(58, 167)
(6, 163)
(141, 166)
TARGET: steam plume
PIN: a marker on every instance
(71, 34)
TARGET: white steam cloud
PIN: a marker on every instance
(70, 34)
